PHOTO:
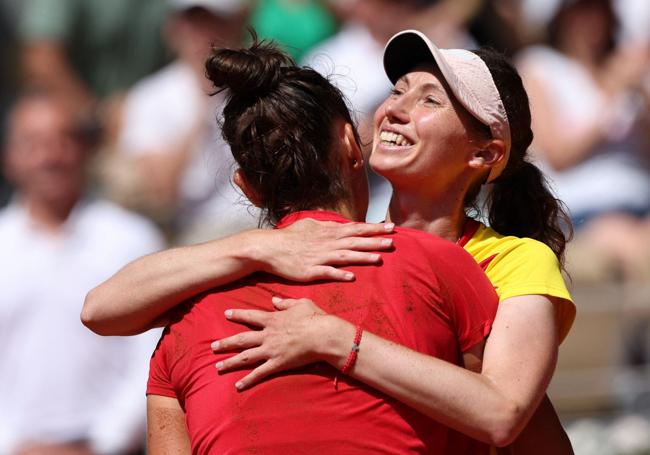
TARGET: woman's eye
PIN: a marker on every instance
(431, 100)
(396, 92)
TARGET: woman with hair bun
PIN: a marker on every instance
(456, 120)
(299, 157)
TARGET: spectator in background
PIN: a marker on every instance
(297, 25)
(589, 103)
(88, 50)
(64, 390)
(354, 55)
(169, 149)
(502, 25)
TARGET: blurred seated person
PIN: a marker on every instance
(64, 390)
(171, 161)
(87, 50)
(590, 117)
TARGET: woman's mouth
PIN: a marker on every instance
(391, 138)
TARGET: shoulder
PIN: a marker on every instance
(448, 261)
(159, 108)
(338, 57)
(103, 209)
(486, 243)
(428, 243)
(7, 216)
(173, 87)
(337, 43)
(161, 81)
(522, 266)
(118, 224)
(517, 266)
(10, 222)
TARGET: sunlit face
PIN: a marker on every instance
(422, 136)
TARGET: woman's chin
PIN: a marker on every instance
(387, 166)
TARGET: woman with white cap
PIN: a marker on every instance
(455, 120)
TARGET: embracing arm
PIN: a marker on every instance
(166, 428)
(544, 434)
(492, 406)
(136, 296)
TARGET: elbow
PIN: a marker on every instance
(507, 425)
(90, 315)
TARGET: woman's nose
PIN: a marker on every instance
(397, 111)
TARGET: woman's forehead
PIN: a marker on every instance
(425, 76)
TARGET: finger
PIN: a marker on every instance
(347, 257)
(258, 318)
(365, 229)
(241, 360)
(243, 340)
(326, 272)
(285, 304)
(363, 243)
(255, 376)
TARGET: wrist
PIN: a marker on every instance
(335, 338)
(252, 250)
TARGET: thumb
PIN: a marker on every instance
(283, 304)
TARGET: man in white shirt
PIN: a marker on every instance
(62, 388)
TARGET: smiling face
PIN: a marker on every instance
(423, 138)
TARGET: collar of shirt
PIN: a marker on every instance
(319, 215)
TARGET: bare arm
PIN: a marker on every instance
(166, 428)
(493, 406)
(544, 434)
(136, 296)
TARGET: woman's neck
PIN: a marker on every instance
(443, 216)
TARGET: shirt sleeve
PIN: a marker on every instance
(472, 299)
(531, 268)
(159, 382)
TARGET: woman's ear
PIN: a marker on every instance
(248, 191)
(352, 150)
(488, 156)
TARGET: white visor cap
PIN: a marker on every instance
(466, 74)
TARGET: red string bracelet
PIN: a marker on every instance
(352, 357)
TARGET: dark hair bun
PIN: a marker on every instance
(249, 72)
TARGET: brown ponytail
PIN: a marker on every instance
(519, 201)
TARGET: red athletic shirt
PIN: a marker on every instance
(428, 295)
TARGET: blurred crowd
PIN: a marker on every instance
(111, 149)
